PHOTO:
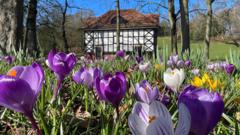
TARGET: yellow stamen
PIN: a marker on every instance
(12, 73)
(147, 88)
(151, 119)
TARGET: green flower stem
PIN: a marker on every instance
(34, 124)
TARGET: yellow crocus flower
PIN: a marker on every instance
(206, 81)
(205, 78)
(157, 66)
(197, 82)
(213, 84)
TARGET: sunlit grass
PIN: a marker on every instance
(77, 111)
(218, 50)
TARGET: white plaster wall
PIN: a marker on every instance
(132, 38)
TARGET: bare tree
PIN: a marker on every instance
(185, 25)
(64, 11)
(118, 23)
(173, 26)
(208, 27)
(11, 25)
(30, 41)
(172, 18)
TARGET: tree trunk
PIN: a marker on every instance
(185, 26)
(30, 40)
(11, 25)
(66, 47)
(118, 24)
(208, 28)
(172, 18)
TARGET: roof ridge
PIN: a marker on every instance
(133, 18)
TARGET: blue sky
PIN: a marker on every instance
(99, 7)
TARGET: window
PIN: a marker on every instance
(114, 20)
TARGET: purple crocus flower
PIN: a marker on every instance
(188, 63)
(195, 71)
(61, 64)
(163, 98)
(229, 69)
(139, 59)
(170, 63)
(144, 67)
(174, 59)
(180, 63)
(87, 76)
(205, 108)
(19, 90)
(120, 54)
(154, 119)
(111, 88)
(211, 67)
(8, 59)
(145, 92)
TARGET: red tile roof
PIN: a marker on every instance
(131, 19)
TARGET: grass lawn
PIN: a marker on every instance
(218, 50)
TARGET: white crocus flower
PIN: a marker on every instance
(174, 78)
(144, 67)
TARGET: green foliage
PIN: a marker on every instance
(77, 111)
(218, 50)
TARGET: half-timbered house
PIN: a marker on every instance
(138, 32)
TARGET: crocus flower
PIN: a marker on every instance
(61, 64)
(188, 63)
(144, 67)
(157, 66)
(174, 78)
(206, 81)
(111, 88)
(145, 92)
(120, 54)
(229, 69)
(163, 98)
(180, 63)
(154, 119)
(8, 59)
(205, 108)
(19, 89)
(174, 59)
(139, 59)
(195, 71)
(86, 76)
(211, 67)
(170, 63)
(175, 62)
(217, 66)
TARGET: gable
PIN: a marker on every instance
(128, 19)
